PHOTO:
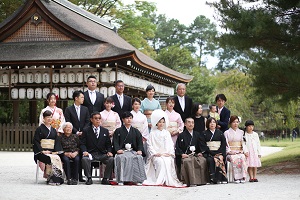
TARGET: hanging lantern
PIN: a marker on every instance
(14, 93)
(86, 75)
(103, 90)
(55, 91)
(38, 93)
(71, 77)
(38, 77)
(30, 93)
(22, 77)
(55, 77)
(45, 92)
(22, 93)
(14, 78)
(63, 93)
(96, 74)
(70, 92)
(29, 77)
(112, 76)
(79, 77)
(46, 77)
(63, 77)
(111, 90)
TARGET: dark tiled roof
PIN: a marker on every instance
(94, 27)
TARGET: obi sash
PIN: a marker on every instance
(213, 145)
(47, 143)
(173, 126)
(110, 125)
(139, 126)
(236, 146)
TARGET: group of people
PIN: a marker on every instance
(141, 144)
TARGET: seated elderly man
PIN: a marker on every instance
(191, 164)
(128, 145)
(96, 145)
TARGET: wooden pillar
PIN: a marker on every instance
(16, 113)
(33, 112)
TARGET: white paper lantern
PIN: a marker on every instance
(86, 75)
(55, 77)
(70, 92)
(71, 77)
(14, 93)
(79, 77)
(120, 76)
(96, 74)
(103, 90)
(46, 77)
(45, 92)
(29, 77)
(112, 76)
(103, 77)
(22, 93)
(38, 93)
(111, 90)
(4, 79)
(22, 77)
(63, 93)
(55, 91)
(30, 93)
(63, 77)
(14, 78)
(38, 77)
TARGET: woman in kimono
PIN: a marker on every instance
(215, 151)
(57, 114)
(47, 149)
(149, 104)
(160, 168)
(70, 144)
(198, 118)
(176, 124)
(236, 150)
(110, 119)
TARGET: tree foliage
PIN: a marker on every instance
(8, 7)
(270, 32)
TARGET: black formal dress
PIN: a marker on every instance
(98, 148)
(126, 104)
(199, 124)
(224, 119)
(217, 172)
(187, 110)
(97, 106)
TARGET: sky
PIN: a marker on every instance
(185, 11)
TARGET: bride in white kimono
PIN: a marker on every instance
(160, 168)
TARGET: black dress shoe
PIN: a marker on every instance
(105, 182)
(74, 182)
(69, 181)
(89, 181)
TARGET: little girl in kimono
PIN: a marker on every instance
(254, 150)
(110, 119)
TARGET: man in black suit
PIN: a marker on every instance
(96, 145)
(122, 102)
(183, 104)
(93, 99)
(223, 112)
(77, 114)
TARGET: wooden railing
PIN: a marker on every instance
(16, 137)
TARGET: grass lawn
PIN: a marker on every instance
(290, 153)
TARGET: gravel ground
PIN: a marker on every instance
(18, 182)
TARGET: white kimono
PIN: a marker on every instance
(161, 170)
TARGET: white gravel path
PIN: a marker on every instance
(17, 181)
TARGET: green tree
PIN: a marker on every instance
(270, 32)
(7, 7)
(201, 37)
(177, 58)
(201, 88)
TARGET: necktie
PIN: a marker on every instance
(121, 101)
(93, 98)
(77, 111)
(96, 132)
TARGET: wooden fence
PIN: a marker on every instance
(16, 137)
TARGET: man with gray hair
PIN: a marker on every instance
(183, 104)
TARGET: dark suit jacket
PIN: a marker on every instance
(99, 103)
(91, 144)
(126, 104)
(71, 116)
(224, 119)
(187, 112)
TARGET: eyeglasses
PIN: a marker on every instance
(92, 81)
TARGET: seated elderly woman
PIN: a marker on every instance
(70, 144)
(47, 149)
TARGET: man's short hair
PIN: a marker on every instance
(91, 76)
(126, 114)
(118, 81)
(77, 94)
(220, 96)
(179, 85)
(95, 113)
